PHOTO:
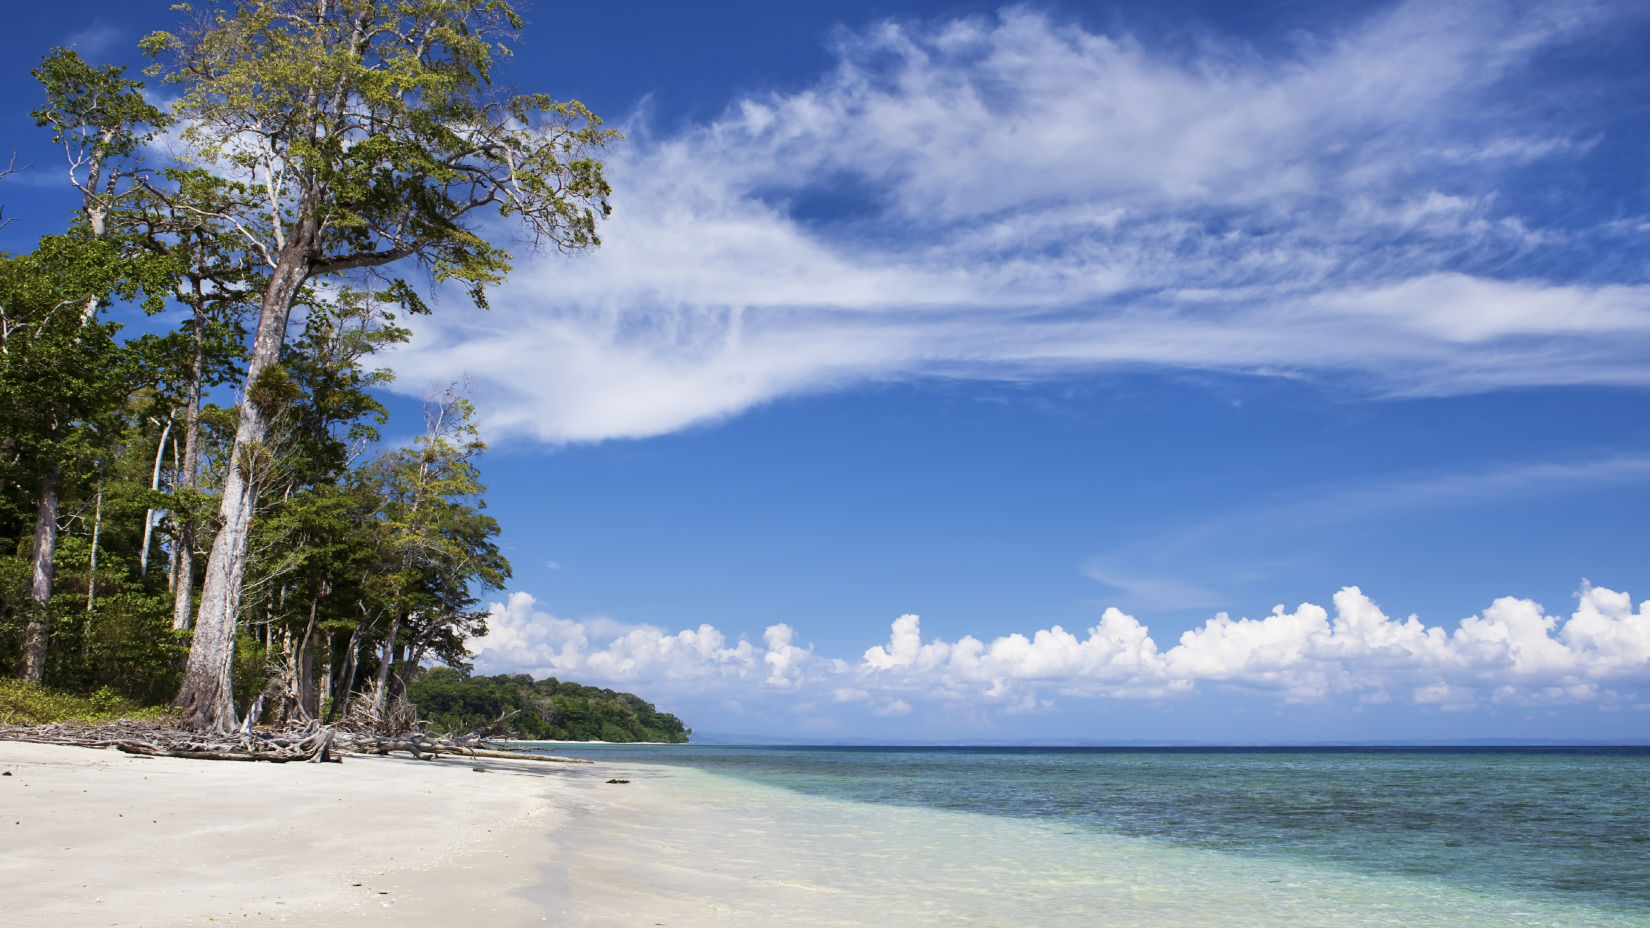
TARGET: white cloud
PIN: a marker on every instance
(893, 707)
(1512, 652)
(1508, 653)
(783, 658)
(523, 639)
(1030, 199)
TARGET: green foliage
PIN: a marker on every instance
(549, 709)
(96, 113)
(32, 704)
(383, 141)
(381, 135)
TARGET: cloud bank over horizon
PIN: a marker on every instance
(1020, 198)
(1511, 653)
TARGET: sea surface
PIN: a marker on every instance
(1256, 837)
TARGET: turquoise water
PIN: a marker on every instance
(1349, 836)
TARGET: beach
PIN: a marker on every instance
(97, 837)
(847, 838)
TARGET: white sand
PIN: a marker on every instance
(96, 837)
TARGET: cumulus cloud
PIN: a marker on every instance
(1507, 653)
(1016, 196)
(524, 639)
(1511, 652)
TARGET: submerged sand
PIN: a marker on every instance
(96, 837)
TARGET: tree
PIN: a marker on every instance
(101, 119)
(438, 542)
(371, 133)
(175, 222)
(62, 380)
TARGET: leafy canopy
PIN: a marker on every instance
(368, 131)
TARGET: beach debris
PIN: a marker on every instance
(306, 741)
(312, 742)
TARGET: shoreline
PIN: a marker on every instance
(97, 837)
(103, 838)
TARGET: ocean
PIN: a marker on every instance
(1253, 837)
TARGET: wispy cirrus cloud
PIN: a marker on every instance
(1017, 197)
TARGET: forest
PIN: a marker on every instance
(550, 709)
(198, 506)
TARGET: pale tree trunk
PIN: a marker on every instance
(91, 577)
(326, 676)
(149, 514)
(38, 635)
(298, 674)
(91, 569)
(40, 589)
(183, 574)
(381, 691)
(207, 695)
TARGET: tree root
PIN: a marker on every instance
(311, 742)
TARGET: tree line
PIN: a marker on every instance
(550, 709)
(193, 502)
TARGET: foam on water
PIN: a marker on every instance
(685, 847)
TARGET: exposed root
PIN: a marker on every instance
(313, 743)
(309, 741)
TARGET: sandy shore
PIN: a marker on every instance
(95, 837)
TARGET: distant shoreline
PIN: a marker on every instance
(1169, 745)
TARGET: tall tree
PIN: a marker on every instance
(101, 119)
(372, 132)
(438, 543)
(62, 380)
(323, 517)
(178, 222)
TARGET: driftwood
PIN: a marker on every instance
(369, 730)
(313, 743)
(310, 741)
(523, 755)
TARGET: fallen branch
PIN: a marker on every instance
(310, 741)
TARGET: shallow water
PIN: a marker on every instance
(1128, 838)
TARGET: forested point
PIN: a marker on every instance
(196, 503)
(550, 709)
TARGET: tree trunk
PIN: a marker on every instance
(326, 675)
(346, 677)
(381, 692)
(149, 514)
(308, 703)
(183, 576)
(207, 695)
(40, 590)
(91, 568)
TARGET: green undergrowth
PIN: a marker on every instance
(32, 704)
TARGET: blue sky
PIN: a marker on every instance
(1005, 317)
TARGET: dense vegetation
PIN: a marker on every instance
(194, 507)
(547, 709)
(31, 704)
